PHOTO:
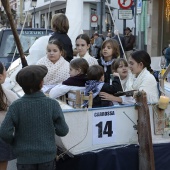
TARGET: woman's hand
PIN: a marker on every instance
(110, 97)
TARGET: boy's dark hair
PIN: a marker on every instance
(59, 45)
(59, 23)
(80, 63)
(30, 77)
(95, 72)
(117, 62)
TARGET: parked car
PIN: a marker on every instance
(27, 38)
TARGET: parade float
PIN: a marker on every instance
(93, 129)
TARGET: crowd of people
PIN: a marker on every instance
(31, 122)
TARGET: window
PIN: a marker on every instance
(49, 20)
(42, 20)
(109, 22)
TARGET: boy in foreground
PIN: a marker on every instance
(32, 121)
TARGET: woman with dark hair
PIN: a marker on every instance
(141, 79)
(6, 99)
(140, 66)
(60, 26)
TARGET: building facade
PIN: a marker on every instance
(43, 15)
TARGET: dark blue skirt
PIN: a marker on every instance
(6, 152)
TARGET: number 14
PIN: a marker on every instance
(107, 129)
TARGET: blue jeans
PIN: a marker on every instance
(43, 166)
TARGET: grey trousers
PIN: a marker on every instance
(43, 166)
(128, 53)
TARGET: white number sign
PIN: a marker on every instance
(104, 127)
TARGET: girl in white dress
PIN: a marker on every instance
(58, 67)
(82, 47)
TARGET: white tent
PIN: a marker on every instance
(74, 13)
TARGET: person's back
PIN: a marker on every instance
(66, 42)
(34, 119)
(60, 26)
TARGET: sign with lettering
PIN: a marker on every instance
(125, 14)
(34, 33)
(104, 127)
(139, 6)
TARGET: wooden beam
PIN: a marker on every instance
(146, 154)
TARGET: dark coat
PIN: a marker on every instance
(129, 41)
(111, 89)
(167, 56)
(107, 73)
(66, 42)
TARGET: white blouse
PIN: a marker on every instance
(146, 82)
(91, 60)
(57, 72)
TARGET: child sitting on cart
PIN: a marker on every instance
(96, 84)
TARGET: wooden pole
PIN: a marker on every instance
(7, 8)
(146, 154)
